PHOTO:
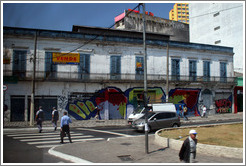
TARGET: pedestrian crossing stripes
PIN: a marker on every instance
(48, 139)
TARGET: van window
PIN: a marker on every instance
(149, 115)
(164, 115)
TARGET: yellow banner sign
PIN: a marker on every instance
(66, 58)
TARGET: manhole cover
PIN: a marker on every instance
(126, 158)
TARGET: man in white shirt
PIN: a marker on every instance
(204, 112)
(187, 152)
(55, 117)
(39, 118)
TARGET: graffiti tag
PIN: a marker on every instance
(223, 105)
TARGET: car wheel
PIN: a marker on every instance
(175, 125)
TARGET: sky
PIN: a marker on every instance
(62, 16)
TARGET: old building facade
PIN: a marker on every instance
(88, 67)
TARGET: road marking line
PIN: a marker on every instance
(47, 146)
(75, 140)
(108, 132)
(28, 134)
(45, 136)
(55, 138)
(66, 156)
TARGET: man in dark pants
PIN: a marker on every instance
(55, 117)
(65, 120)
(187, 152)
(39, 118)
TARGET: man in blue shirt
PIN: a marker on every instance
(65, 120)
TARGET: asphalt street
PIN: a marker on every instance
(98, 144)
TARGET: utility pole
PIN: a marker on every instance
(145, 82)
(167, 80)
(33, 82)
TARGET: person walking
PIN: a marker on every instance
(187, 152)
(97, 113)
(39, 118)
(55, 117)
(180, 111)
(204, 111)
(185, 113)
(65, 120)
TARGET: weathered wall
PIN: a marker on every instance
(178, 31)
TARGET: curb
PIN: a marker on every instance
(66, 156)
(220, 151)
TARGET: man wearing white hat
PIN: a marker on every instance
(187, 152)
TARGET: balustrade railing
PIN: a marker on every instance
(98, 77)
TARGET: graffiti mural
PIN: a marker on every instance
(224, 105)
(82, 110)
(135, 97)
(188, 97)
(113, 103)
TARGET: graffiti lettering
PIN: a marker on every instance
(223, 105)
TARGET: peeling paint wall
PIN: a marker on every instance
(178, 31)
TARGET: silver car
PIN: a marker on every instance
(157, 120)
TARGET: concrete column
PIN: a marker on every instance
(106, 110)
(26, 108)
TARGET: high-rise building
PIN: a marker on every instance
(219, 24)
(180, 12)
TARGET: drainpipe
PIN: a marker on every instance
(33, 83)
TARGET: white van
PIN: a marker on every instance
(160, 107)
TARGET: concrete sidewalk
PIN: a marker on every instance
(127, 150)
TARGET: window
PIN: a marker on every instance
(165, 115)
(217, 42)
(175, 69)
(50, 67)
(216, 14)
(206, 71)
(216, 28)
(223, 72)
(192, 70)
(115, 67)
(84, 67)
(19, 63)
(139, 68)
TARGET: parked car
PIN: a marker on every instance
(160, 107)
(157, 120)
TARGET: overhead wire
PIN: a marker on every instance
(102, 33)
(89, 41)
(215, 12)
